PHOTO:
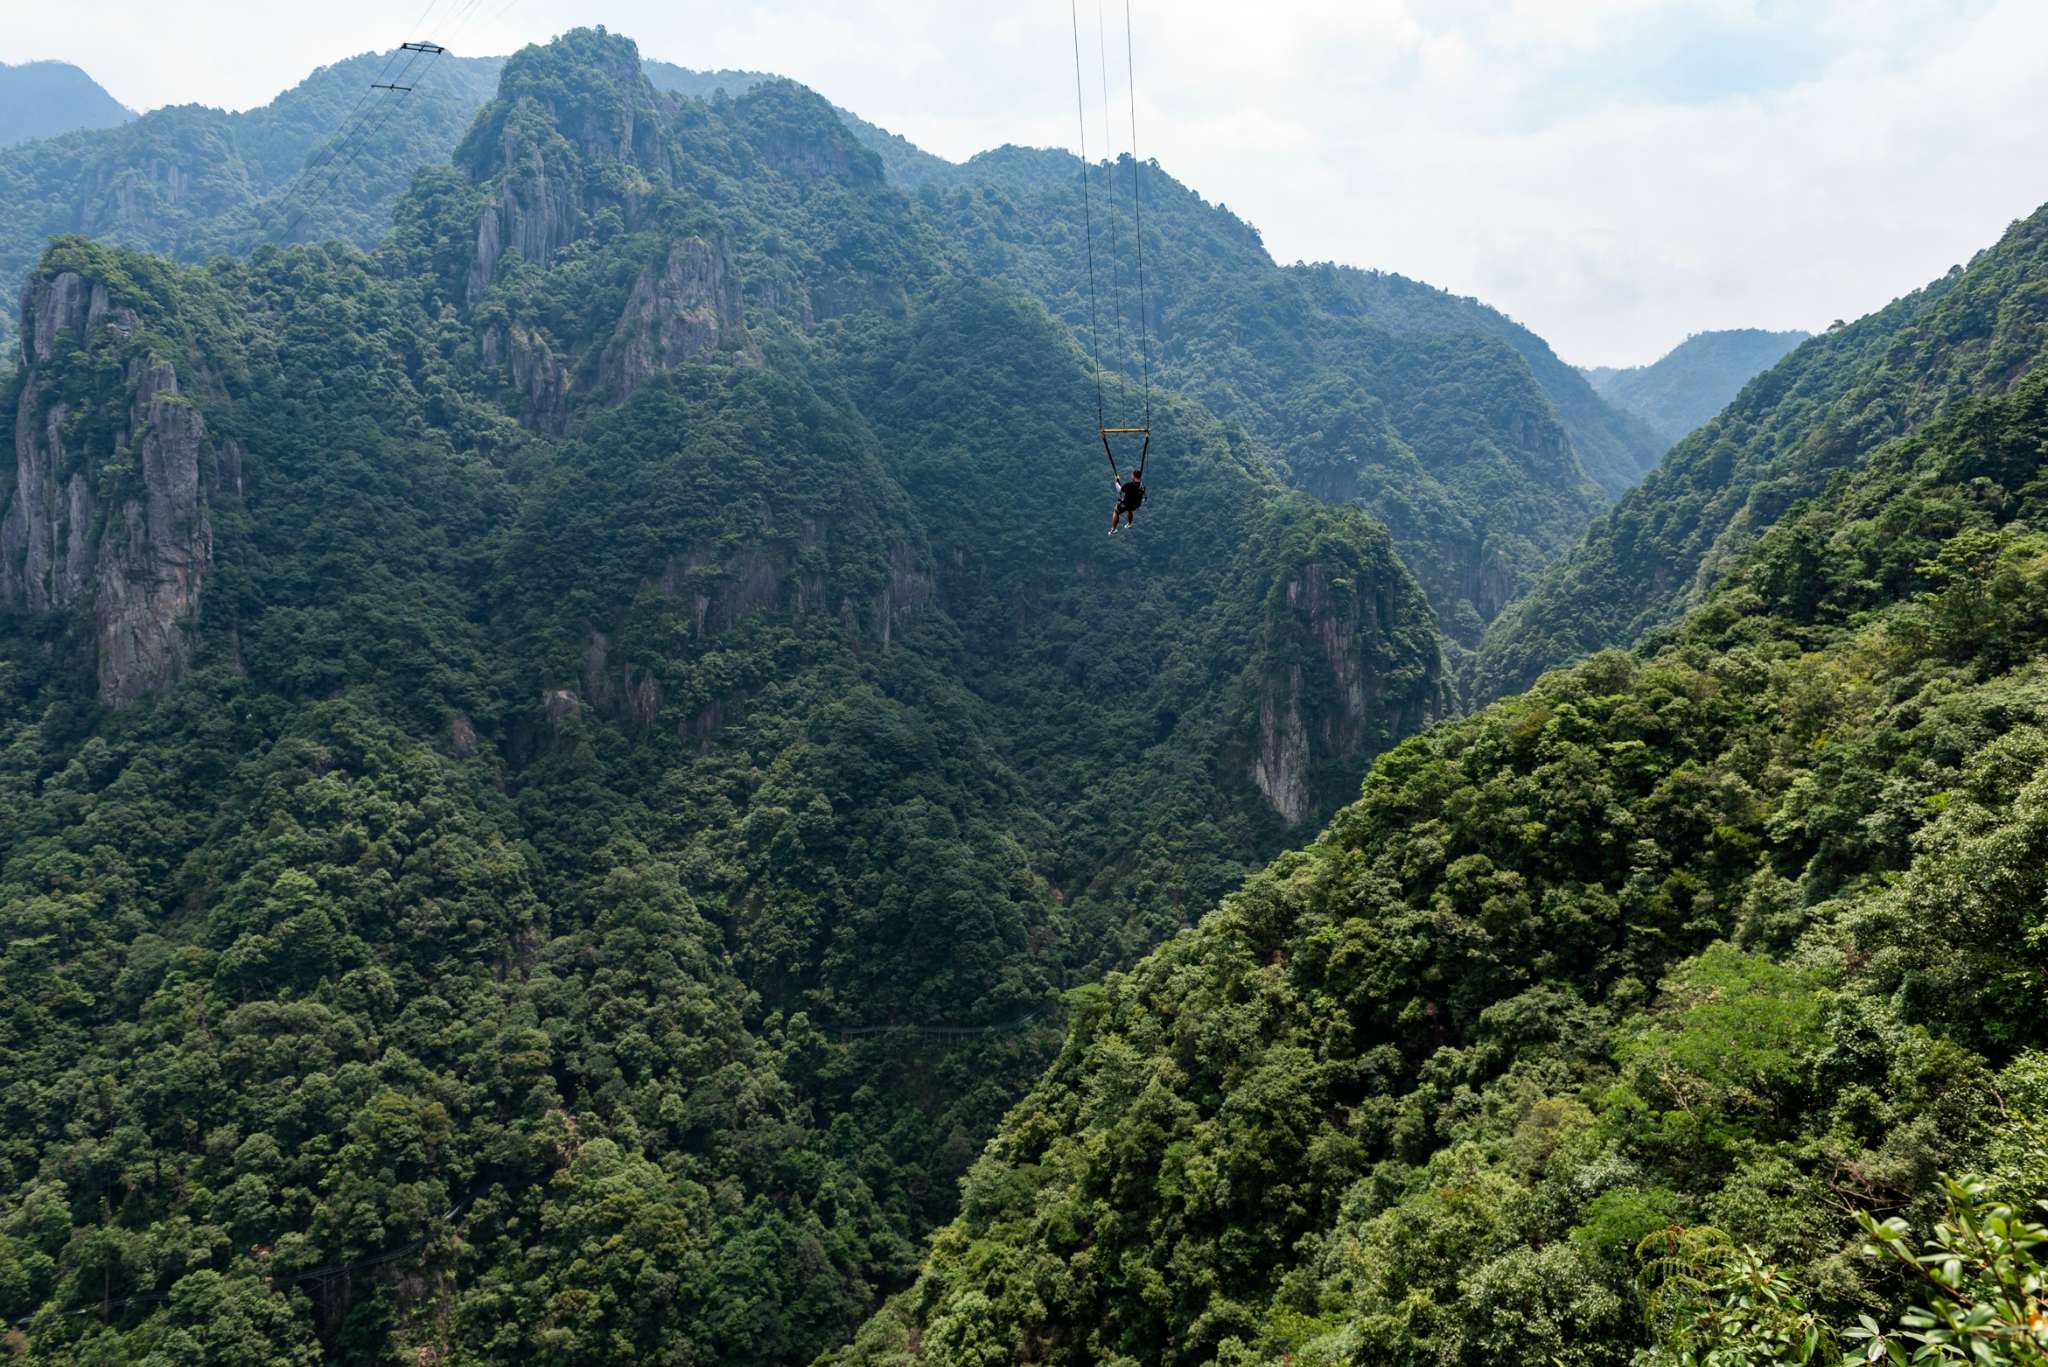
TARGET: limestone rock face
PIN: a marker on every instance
(542, 381)
(1282, 755)
(1330, 692)
(531, 215)
(140, 562)
(556, 153)
(689, 310)
(1281, 759)
(45, 541)
(155, 550)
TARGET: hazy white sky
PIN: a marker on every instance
(1614, 173)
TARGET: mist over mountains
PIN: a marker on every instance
(580, 779)
(44, 99)
(1694, 380)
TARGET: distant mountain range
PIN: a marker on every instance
(1694, 380)
(190, 182)
(561, 663)
(1821, 410)
(44, 99)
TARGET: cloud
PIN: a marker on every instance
(1614, 173)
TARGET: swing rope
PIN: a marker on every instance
(1138, 233)
(1088, 228)
(1088, 233)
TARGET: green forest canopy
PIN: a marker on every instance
(1609, 1021)
(594, 705)
(492, 833)
(1474, 477)
(1824, 408)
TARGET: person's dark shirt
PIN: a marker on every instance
(1134, 494)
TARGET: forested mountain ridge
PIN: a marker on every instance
(1823, 408)
(1616, 447)
(1445, 438)
(1479, 503)
(188, 181)
(1608, 1024)
(477, 716)
(1696, 379)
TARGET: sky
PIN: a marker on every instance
(1615, 174)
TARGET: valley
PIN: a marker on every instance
(579, 779)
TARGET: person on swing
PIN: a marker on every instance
(1129, 494)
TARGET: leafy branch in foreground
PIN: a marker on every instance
(1982, 1261)
(1713, 1303)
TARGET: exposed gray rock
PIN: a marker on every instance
(908, 590)
(1322, 701)
(141, 563)
(46, 537)
(532, 214)
(541, 379)
(619, 693)
(689, 310)
(58, 303)
(155, 550)
(560, 704)
(1280, 760)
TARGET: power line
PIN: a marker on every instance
(1116, 283)
(1138, 220)
(361, 136)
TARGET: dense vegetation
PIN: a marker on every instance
(1355, 385)
(1696, 379)
(542, 796)
(1616, 447)
(188, 182)
(1445, 437)
(1823, 408)
(656, 617)
(1637, 1012)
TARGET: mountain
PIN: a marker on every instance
(1822, 409)
(43, 99)
(190, 182)
(1635, 1019)
(1446, 438)
(586, 784)
(1616, 447)
(1695, 379)
(1478, 504)
(1336, 373)
(1421, 408)
(904, 162)
(480, 719)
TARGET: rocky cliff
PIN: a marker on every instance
(686, 310)
(554, 154)
(124, 529)
(1330, 684)
(155, 547)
